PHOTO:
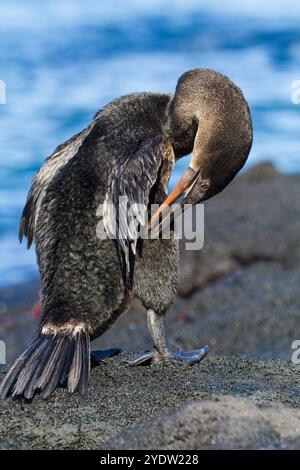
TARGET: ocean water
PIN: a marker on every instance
(62, 60)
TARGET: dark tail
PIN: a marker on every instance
(50, 361)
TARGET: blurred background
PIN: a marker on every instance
(63, 60)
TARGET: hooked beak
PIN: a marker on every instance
(184, 186)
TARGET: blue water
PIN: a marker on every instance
(62, 60)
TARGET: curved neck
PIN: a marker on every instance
(180, 128)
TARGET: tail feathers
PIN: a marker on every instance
(50, 361)
(40, 365)
(80, 369)
(11, 376)
(85, 366)
(67, 365)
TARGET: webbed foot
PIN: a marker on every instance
(99, 355)
(192, 357)
(146, 358)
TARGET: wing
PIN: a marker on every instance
(126, 201)
(61, 155)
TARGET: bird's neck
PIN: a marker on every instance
(180, 130)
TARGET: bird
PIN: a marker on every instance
(127, 152)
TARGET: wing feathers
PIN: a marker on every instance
(126, 202)
(61, 155)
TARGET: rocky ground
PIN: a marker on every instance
(240, 295)
(248, 404)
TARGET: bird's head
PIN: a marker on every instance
(208, 116)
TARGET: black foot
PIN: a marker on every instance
(99, 355)
(192, 357)
(146, 358)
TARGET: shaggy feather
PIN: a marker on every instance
(49, 361)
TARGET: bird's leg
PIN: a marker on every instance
(160, 352)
